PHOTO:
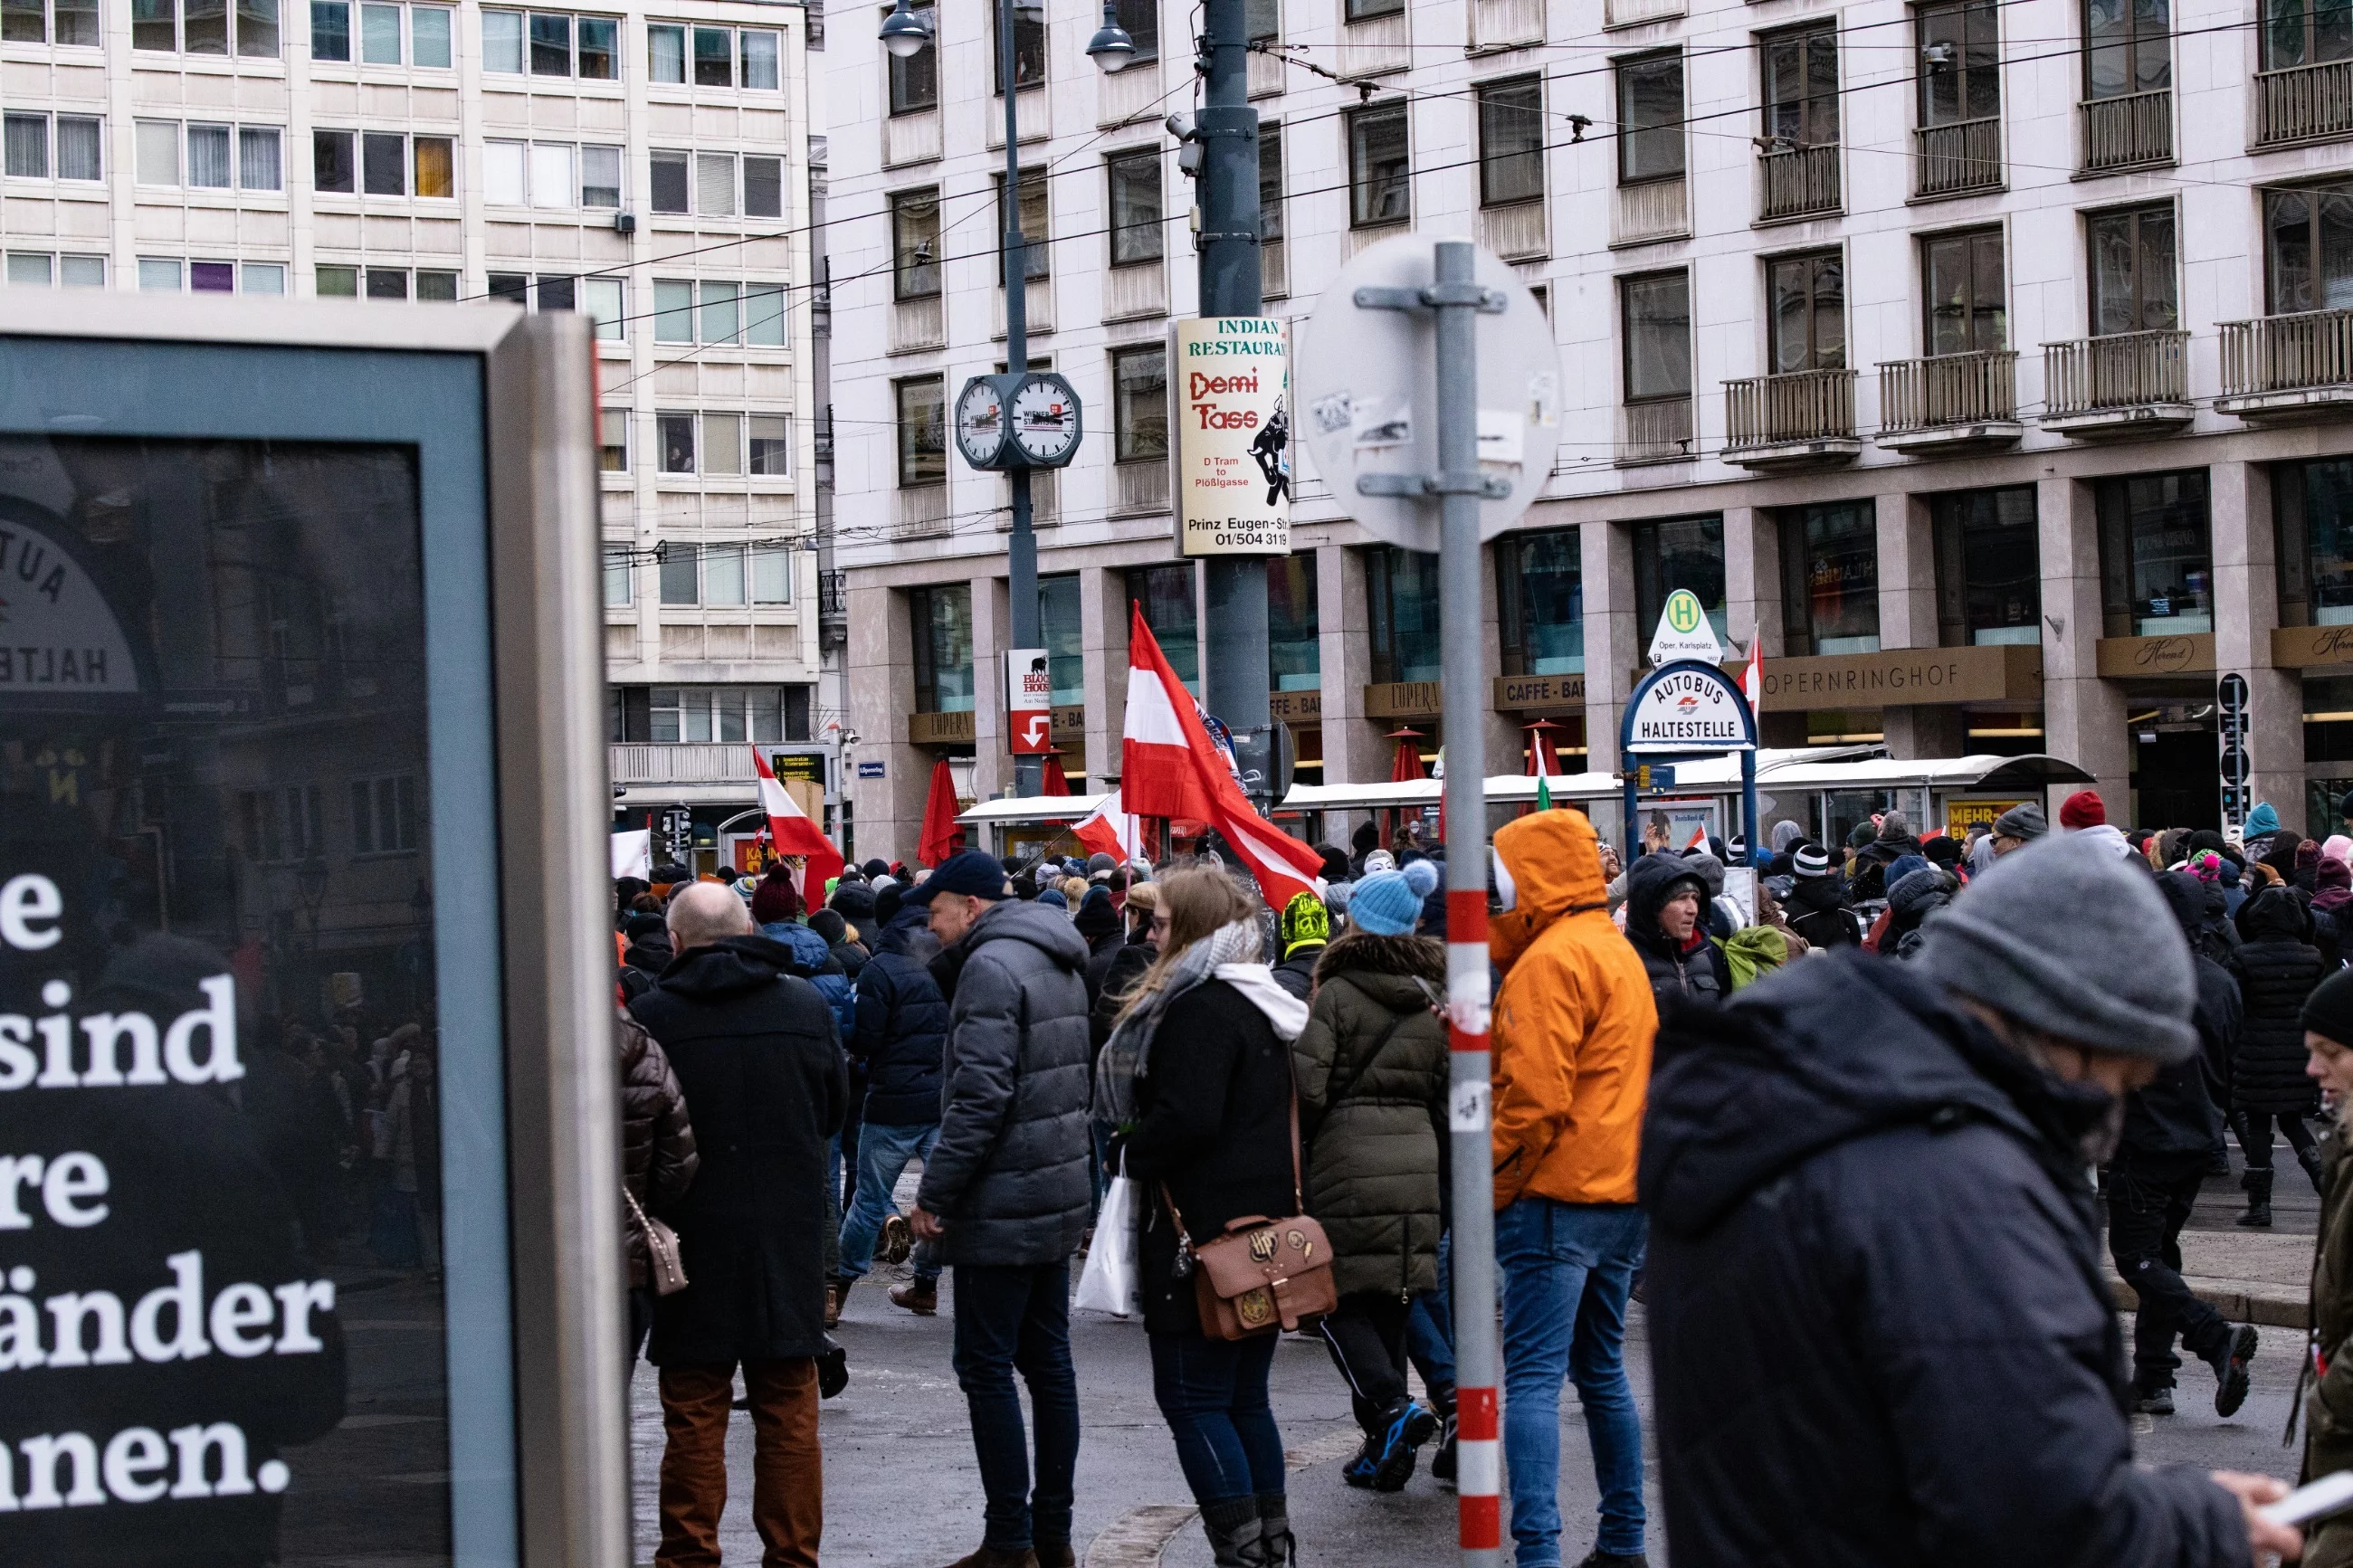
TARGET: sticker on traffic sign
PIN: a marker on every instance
(1684, 631)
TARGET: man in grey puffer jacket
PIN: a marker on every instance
(1006, 1190)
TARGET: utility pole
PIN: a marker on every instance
(1237, 666)
(1021, 547)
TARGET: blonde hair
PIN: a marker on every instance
(1199, 903)
(1074, 888)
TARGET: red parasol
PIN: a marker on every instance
(1543, 756)
(1407, 765)
(942, 837)
(1057, 782)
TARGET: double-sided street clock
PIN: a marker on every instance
(1028, 420)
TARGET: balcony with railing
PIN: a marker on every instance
(1635, 13)
(1654, 432)
(1798, 420)
(1139, 487)
(1796, 182)
(1652, 211)
(1505, 25)
(2304, 104)
(2285, 368)
(2129, 384)
(918, 323)
(1949, 404)
(1515, 233)
(2135, 131)
(1958, 160)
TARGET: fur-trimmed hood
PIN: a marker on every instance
(1363, 953)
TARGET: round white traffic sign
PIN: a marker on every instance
(1366, 388)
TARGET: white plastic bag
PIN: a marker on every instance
(1110, 1282)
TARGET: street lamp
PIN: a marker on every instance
(1110, 48)
(903, 33)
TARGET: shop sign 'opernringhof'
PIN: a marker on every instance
(1230, 389)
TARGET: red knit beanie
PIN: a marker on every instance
(775, 898)
(2082, 809)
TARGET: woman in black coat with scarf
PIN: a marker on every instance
(2276, 967)
(1197, 1077)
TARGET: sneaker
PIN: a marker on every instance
(896, 1241)
(2156, 1402)
(1405, 1427)
(2229, 1363)
(1360, 1469)
(920, 1297)
(1442, 1463)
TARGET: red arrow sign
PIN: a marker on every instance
(1033, 734)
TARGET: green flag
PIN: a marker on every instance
(1544, 792)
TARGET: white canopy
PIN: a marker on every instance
(1020, 810)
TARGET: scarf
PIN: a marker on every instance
(1127, 1056)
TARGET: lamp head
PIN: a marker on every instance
(903, 33)
(1110, 48)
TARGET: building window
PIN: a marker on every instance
(217, 157)
(2156, 554)
(708, 311)
(1061, 629)
(282, 825)
(1270, 182)
(1960, 62)
(1370, 10)
(1167, 595)
(768, 445)
(80, 141)
(1961, 276)
(1657, 312)
(2303, 33)
(2127, 48)
(1295, 655)
(1511, 141)
(1808, 326)
(1650, 117)
(379, 164)
(915, 242)
(706, 185)
(723, 714)
(674, 433)
(543, 43)
(383, 27)
(550, 174)
(2312, 509)
(1036, 259)
(620, 586)
(1262, 20)
(941, 620)
(1029, 49)
(1801, 87)
(169, 275)
(1401, 596)
(923, 430)
(681, 569)
(2307, 247)
(39, 269)
(1988, 567)
(1540, 600)
(1380, 167)
(1139, 379)
(1135, 233)
(1679, 552)
(383, 816)
(72, 22)
(613, 440)
(1829, 578)
(2133, 285)
(915, 81)
(204, 26)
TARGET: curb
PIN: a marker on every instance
(2235, 1299)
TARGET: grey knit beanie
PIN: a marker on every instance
(2024, 820)
(2064, 937)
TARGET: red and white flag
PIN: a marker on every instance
(1169, 767)
(1752, 678)
(795, 834)
(1110, 831)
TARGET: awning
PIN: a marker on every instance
(1020, 810)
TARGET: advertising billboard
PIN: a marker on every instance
(1231, 385)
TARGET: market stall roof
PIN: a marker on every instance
(1019, 810)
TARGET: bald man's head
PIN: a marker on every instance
(705, 913)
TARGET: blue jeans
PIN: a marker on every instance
(1429, 1328)
(1010, 1318)
(883, 1152)
(1212, 1394)
(1567, 1269)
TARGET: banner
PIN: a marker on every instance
(1231, 381)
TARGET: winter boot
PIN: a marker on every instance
(2229, 1363)
(1232, 1526)
(2258, 1211)
(1056, 1554)
(832, 1370)
(1277, 1548)
(919, 1296)
(836, 1296)
(895, 1242)
(2310, 1160)
(1442, 1463)
(2153, 1401)
(997, 1557)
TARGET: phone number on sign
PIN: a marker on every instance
(1243, 539)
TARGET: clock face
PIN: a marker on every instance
(1046, 419)
(980, 422)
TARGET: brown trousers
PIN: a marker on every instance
(788, 1469)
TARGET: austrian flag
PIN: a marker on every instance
(796, 835)
(1110, 831)
(1169, 767)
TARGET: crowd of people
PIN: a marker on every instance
(1847, 1117)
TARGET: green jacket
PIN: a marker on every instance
(1372, 1111)
(2328, 1405)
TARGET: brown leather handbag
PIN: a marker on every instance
(1262, 1273)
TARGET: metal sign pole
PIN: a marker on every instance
(1754, 837)
(1457, 300)
(1021, 545)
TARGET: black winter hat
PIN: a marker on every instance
(2329, 1011)
(970, 871)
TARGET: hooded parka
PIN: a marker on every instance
(2328, 1402)
(2276, 967)
(902, 1024)
(1372, 1070)
(1695, 971)
(658, 1158)
(1573, 1022)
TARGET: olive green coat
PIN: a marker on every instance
(2328, 1405)
(1373, 1113)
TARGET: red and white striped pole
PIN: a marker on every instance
(1456, 299)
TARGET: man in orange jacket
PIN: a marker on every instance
(1572, 1033)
